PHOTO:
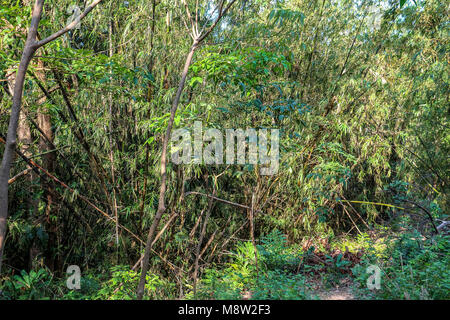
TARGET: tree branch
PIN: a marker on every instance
(67, 28)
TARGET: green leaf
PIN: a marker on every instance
(195, 80)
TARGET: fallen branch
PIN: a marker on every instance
(17, 176)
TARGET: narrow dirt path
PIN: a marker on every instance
(342, 291)
(336, 294)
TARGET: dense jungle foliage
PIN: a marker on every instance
(358, 90)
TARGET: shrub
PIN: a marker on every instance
(239, 276)
(34, 285)
(418, 269)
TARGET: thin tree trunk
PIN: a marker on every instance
(45, 143)
(198, 38)
(200, 241)
(31, 45)
(252, 234)
(111, 152)
(5, 167)
(162, 192)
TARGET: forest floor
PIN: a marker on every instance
(342, 291)
(327, 281)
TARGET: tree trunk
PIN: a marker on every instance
(31, 45)
(198, 38)
(162, 192)
(10, 145)
(45, 144)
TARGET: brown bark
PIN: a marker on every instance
(31, 45)
(11, 141)
(17, 176)
(198, 37)
(45, 124)
(45, 145)
(162, 193)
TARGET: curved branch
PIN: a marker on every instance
(67, 28)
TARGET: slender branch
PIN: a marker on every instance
(218, 199)
(17, 176)
(162, 193)
(70, 26)
(428, 213)
(221, 14)
(193, 24)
